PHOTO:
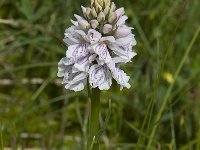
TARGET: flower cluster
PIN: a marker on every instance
(98, 44)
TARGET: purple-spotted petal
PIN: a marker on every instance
(100, 76)
(121, 60)
(102, 51)
(123, 51)
(82, 64)
(79, 86)
(121, 77)
(93, 36)
(128, 40)
(77, 51)
(77, 77)
(64, 67)
(74, 35)
(123, 46)
(69, 39)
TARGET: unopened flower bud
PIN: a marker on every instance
(101, 17)
(88, 12)
(107, 28)
(113, 7)
(84, 11)
(112, 17)
(93, 12)
(94, 24)
(84, 24)
(78, 18)
(74, 22)
(106, 10)
(100, 4)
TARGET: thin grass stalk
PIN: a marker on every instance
(1, 137)
(162, 108)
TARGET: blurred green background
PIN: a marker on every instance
(36, 111)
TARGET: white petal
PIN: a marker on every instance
(128, 40)
(67, 61)
(82, 22)
(81, 35)
(60, 69)
(76, 77)
(124, 59)
(93, 36)
(120, 12)
(79, 86)
(73, 78)
(64, 67)
(68, 75)
(83, 10)
(122, 20)
(121, 77)
(121, 59)
(82, 64)
(110, 39)
(69, 38)
(102, 51)
(123, 46)
(74, 22)
(122, 31)
(100, 76)
(92, 57)
(78, 18)
(77, 51)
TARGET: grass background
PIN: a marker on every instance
(160, 111)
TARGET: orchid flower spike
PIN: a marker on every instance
(99, 42)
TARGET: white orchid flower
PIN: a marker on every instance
(98, 44)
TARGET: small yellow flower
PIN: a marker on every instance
(168, 77)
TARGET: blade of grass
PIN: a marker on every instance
(162, 108)
(151, 103)
(122, 146)
(40, 89)
(139, 132)
(78, 113)
(1, 136)
(84, 129)
(103, 128)
(28, 67)
(50, 101)
(142, 33)
(188, 145)
(172, 129)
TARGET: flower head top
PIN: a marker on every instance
(100, 5)
(98, 44)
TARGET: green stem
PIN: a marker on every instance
(94, 119)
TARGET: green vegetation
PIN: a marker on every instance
(160, 111)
